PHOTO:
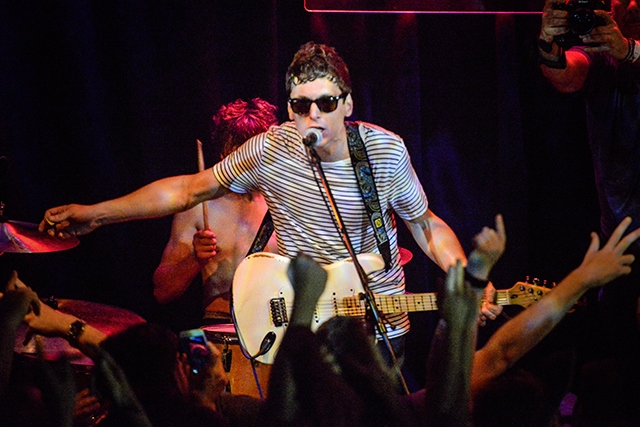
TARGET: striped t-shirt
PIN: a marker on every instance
(276, 164)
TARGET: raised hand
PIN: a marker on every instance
(459, 305)
(489, 246)
(113, 384)
(602, 265)
(308, 279)
(18, 300)
(15, 302)
(57, 384)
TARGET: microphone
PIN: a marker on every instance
(266, 344)
(312, 137)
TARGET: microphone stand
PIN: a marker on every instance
(371, 309)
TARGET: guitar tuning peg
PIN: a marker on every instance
(553, 284)
(544, 283)
(527, 279)
(536, 281)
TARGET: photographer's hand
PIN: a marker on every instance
(607, 38)
(554, 21)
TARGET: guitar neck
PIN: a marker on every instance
(408, 303)
(503, 297)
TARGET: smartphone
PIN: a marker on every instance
(194, 344)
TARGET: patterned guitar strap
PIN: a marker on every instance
(367, 184)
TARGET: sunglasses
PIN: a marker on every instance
(326, 104)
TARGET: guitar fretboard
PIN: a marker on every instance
(354, 305)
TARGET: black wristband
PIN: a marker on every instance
(545, 46)
(558, 64)
(474, 281)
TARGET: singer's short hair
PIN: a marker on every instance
(315, 61)
(239, 120)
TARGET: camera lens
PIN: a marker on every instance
(582, 21)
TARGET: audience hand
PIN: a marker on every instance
(17, 301)
(602, 265)
(88, 410)
(56, 381)
(48, 322)
(459, 306)
(206, 386)
(489, 245)
(308, 279)
(113, 384)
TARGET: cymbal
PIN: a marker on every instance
(24, 237)
(109, 319)
(405, 255)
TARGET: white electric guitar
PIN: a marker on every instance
(263, 298)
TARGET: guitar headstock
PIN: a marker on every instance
(525, 293)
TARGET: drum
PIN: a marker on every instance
(241, 377)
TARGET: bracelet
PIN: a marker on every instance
(558, 64)
(632, 55)
(631, 45)
(76, 329)
(474, 281)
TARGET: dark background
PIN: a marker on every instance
(99, 98)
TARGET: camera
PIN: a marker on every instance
(581, 20)
(193, 343)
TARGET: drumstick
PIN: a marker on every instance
(205, 208)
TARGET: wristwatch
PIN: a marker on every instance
(545, 46)
(76, 329)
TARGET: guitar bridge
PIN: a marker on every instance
(278, 311)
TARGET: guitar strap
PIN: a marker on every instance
(367, 185)
(264, 234)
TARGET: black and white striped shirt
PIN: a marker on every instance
(276, 164)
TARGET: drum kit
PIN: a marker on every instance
(24, 237)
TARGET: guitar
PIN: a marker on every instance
(263, 297)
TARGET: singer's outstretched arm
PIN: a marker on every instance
(160, 198)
